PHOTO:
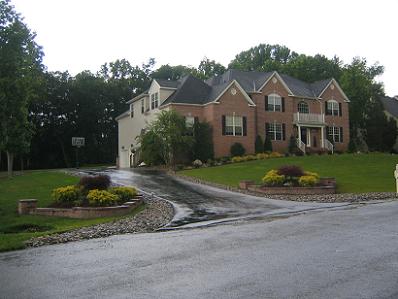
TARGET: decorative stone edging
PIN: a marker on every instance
(28, 207)
(323, 198)
(157, 214)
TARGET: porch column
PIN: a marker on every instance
(322, 138)
(299, 132)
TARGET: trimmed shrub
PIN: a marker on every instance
(308, 181)
(314, 174)
(273, 178)
(101, 198)
(124, 193)
(66, 194)
(275, 155)
(237, 149)
(197, 163)
(262, 156)
(237, 159)
(267, 144)
(100, 182)
(290, 171)
(292, 145)
(258, 145)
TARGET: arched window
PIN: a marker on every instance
(303, 107)
(332, 108)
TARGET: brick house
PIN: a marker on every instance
(241, 105)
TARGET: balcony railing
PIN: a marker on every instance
(309, 118)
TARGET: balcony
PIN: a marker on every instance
(309, 118)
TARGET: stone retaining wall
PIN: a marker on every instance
(293, 190)
(29, 207)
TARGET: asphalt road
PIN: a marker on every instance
(198, 204)
(349, 252)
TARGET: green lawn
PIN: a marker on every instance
(354, 173)
(36, 185)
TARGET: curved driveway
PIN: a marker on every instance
(198, 204)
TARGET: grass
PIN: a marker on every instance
(355, 173)
(14, 228)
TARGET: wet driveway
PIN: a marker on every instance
(198, 204)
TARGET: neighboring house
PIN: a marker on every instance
(391, 110)
(241, 105)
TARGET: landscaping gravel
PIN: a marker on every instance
(157, 214)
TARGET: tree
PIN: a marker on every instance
(171, 131)
(20, 73)
(202, 147)
(149, 151)
(173, 73)
(267, 144)
(258, 145)
(209, 68)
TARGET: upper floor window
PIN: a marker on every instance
(333, 108)
(131, 110)
(142, 106)
(154, 100)
(274, 103)
(234, 125)
(303, 107)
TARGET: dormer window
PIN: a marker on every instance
(303, 107)
(154, 100)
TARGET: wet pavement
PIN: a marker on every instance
(345, 253)
(198, 205)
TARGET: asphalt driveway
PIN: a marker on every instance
(200, 205)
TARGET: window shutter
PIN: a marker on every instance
(223, 124)
(244, 125)
(340, 110)
(341, 134)
(283, 131)
(266, 130)
(266, 103)
(283, 104)
(327, 133)
(326, 108)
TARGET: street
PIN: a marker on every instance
(347, 252)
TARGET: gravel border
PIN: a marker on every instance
(321, 198)
(156, 214)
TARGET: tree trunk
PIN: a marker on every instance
(10, 161)
(21, 164)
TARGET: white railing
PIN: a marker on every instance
(300, 145)
(309, 118)
(329, 146)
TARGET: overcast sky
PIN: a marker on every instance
(81, 35)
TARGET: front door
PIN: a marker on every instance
(304, 135)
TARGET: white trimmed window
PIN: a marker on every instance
(154, 100)
(233, 125)
(335, 134)
(189, 121)
(275, 131)
(274, 102)
(131, 110)
(332, 108)
(303, 107)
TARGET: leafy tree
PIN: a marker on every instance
(149, 151)
(209, 68)
(173, 73)
(20, 72)
(202, 147)
(170, 129)
(258, 145)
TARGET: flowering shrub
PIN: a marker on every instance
(314, 174)
(275, 155)
(272, 178)
(262, 156)
(124, 193)
(197, 163)
(237, 159)
(308, 181)
(290, 171)
(101, 198)
(66, 194)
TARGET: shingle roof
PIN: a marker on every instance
(191, 90)
(390, 105)
(167, 83)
